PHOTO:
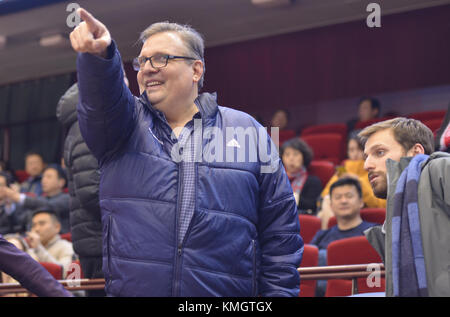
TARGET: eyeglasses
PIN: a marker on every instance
(157, 61)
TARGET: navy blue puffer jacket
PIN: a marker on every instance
(243, 239)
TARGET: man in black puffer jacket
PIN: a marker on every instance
(83, 180)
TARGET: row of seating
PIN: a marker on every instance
(310, 225)
(347, 251)
(329, 141)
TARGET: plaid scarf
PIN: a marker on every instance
(408, 265)
(298, 180)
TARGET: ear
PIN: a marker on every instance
(415, 150)
(58, 226)
(61, 183)
(198, 70)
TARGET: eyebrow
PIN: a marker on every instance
(374, 147)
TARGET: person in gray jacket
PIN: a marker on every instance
(420, 267)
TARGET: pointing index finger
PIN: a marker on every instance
(87, 17)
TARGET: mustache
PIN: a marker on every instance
(374, 174)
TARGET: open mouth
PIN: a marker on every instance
(153, 83)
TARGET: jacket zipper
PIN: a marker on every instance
(108, 241)
(179, 252)
(254, 284)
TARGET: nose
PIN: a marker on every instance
(368, 164)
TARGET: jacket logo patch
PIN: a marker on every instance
(233, 143)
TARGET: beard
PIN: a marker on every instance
(379, 187)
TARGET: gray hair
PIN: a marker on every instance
(191, 38)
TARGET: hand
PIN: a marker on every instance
(90, 36)
(9, 194)
(33, 239)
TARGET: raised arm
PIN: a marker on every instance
(106, 105)
(28, 272)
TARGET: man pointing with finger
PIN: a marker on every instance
(189, 226)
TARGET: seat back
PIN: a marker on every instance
(362, 124)
(428, 115)
(310, 258)
(433, 124)
(356, 250)
(21, 175)
(67, 236)
(327, 146)
(54, 269)
(375, 215)
(309, 225)
(340, 128)
(324, 170)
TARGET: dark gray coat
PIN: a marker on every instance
(83, 180)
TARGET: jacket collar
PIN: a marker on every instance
(206, 103)
(394, 169)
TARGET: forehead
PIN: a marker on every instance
(41, 217)
(366, 104)
(50, 171)
(291, 150)
(33, 158)
(384, 138)
(343, 190)
(165, 42)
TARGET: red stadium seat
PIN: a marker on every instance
(362, 124)
(309, 225)
(428, 115)
(433, 124)
(375, 215)
(327, 146)
(21, 175)
(322, 169)
(54, 269)
(67, 236)
(310, 258)
(285, 135)
(340, 128)
(349, 251)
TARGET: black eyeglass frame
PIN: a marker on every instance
(137, 65)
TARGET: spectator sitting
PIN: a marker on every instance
(353, 167)
(346, 203)
(280, 119)
(20, 243)
(53, 182)
(46, 244)
(368, 108)
(34, 166)
(12, 217)
(296, 156)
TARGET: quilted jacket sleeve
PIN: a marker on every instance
(28, 272)
(279, 232)
(106, 105)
